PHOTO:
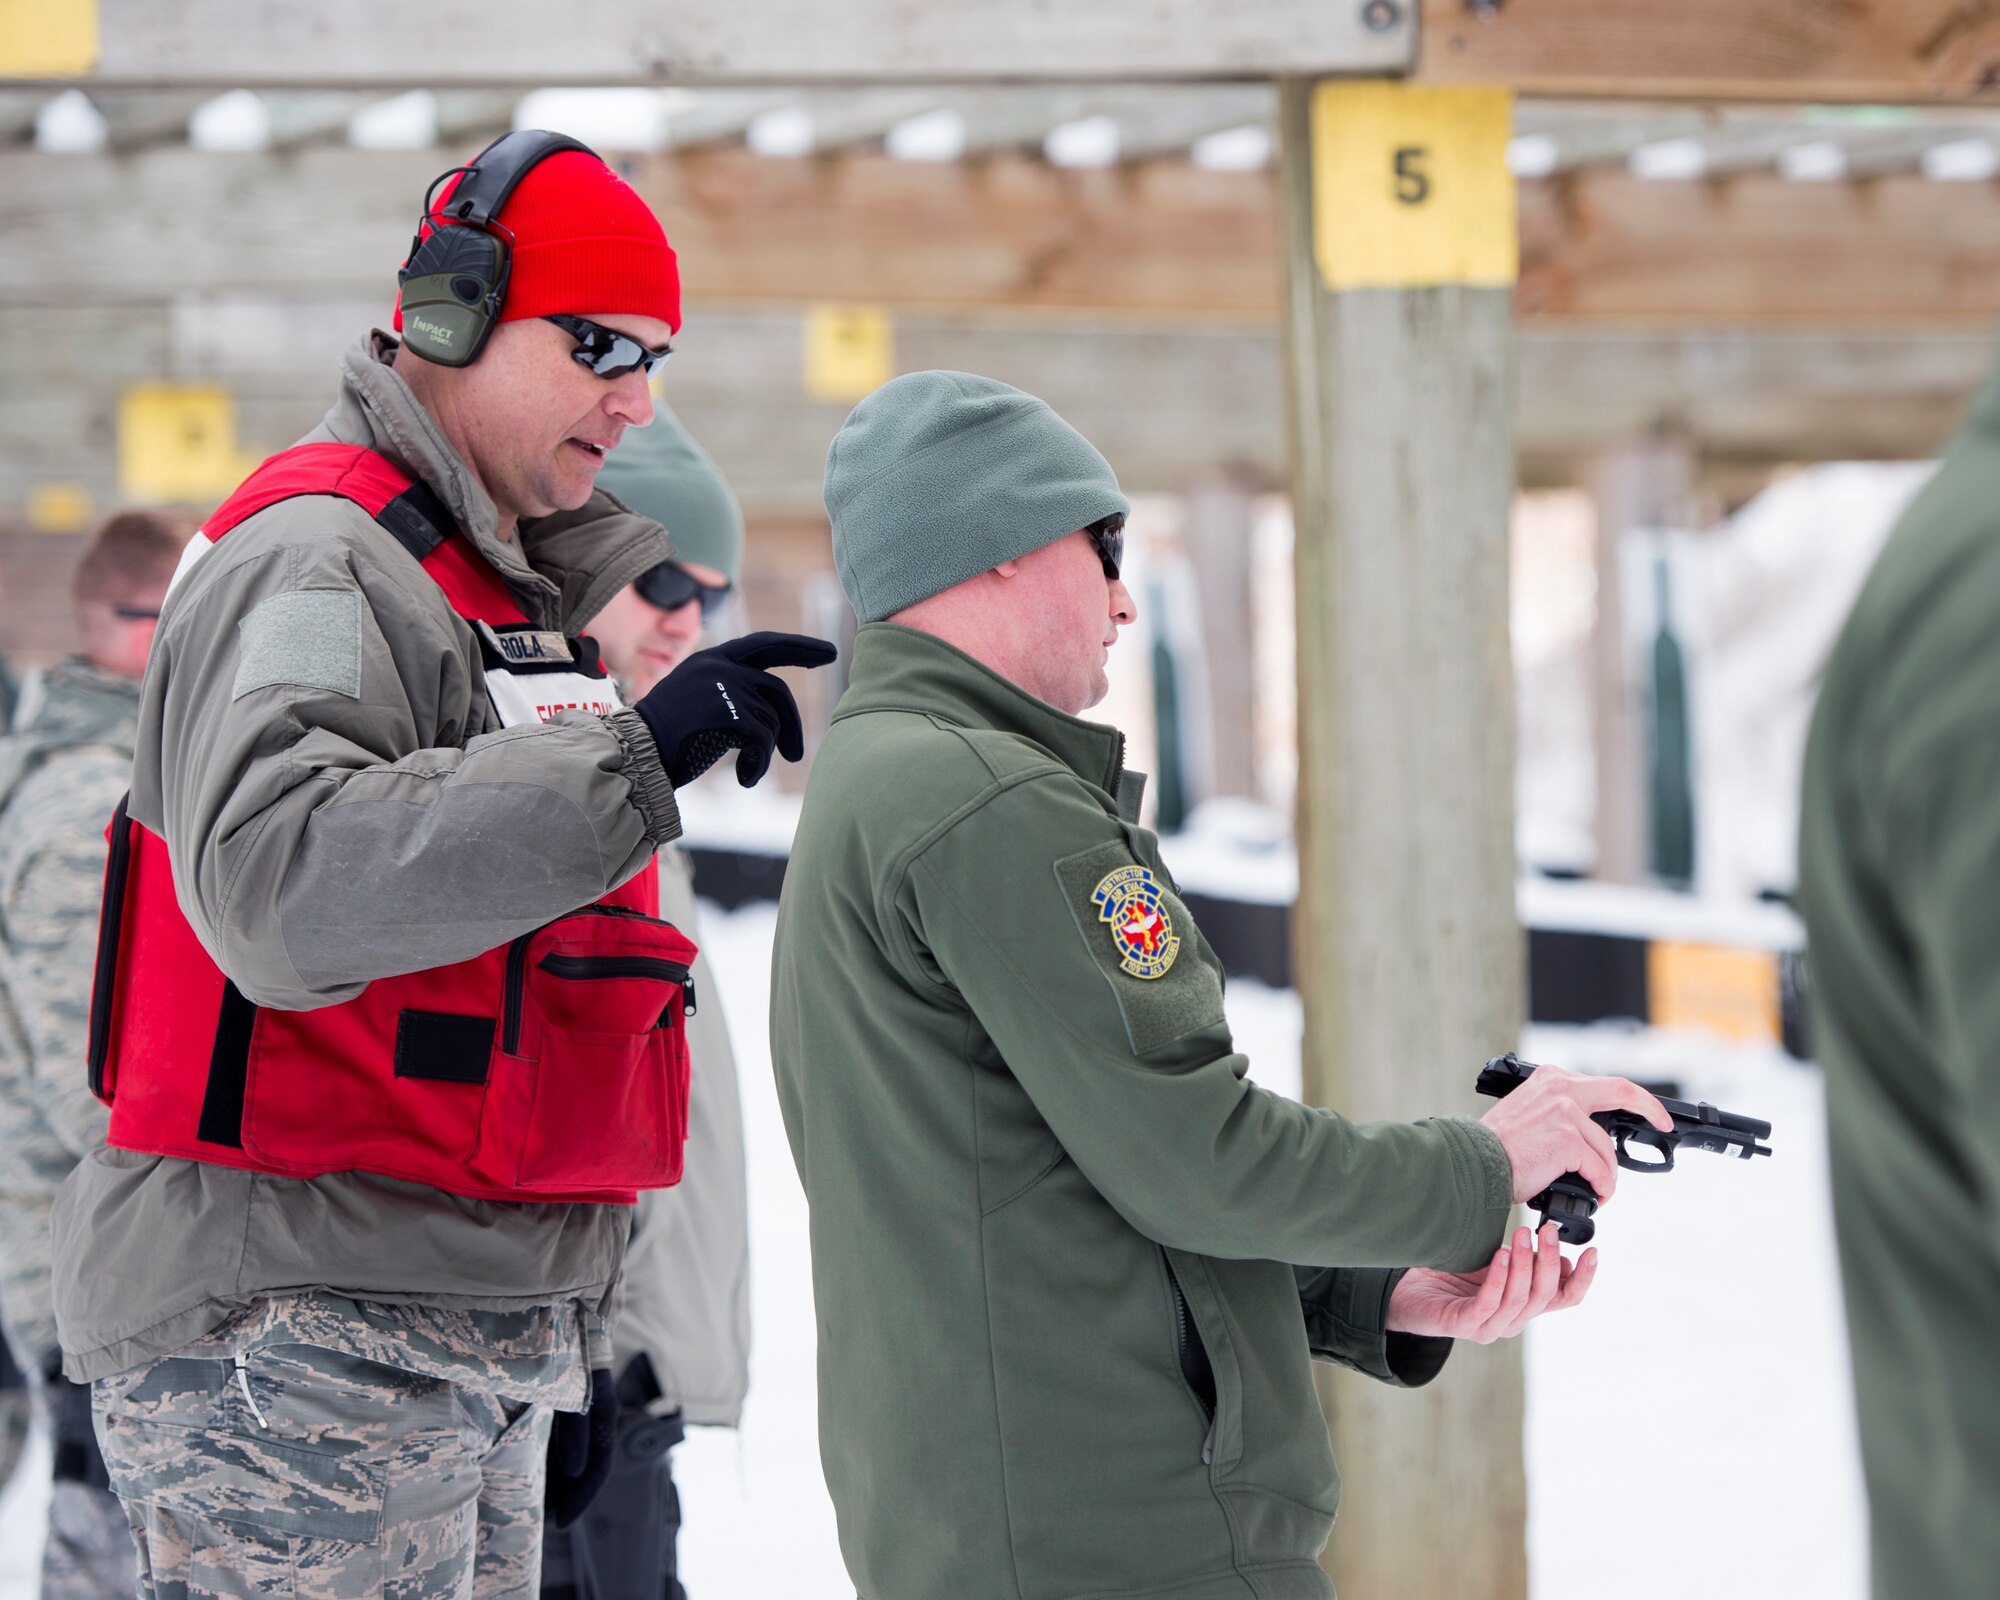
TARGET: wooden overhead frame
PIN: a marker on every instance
(1008, 235)
(391, 44)
(1811, 50)
(1857, 51)
(1168, 403)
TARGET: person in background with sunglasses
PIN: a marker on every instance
(61, 773)
(681, 1344)
(391, 1030)
(1062, 1347)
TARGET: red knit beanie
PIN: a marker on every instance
(583, 240)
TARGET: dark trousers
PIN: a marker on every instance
(623, 1546)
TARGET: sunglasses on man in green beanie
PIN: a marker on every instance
(671, 586)
(1107, 538)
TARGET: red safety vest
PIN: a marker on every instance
(554, 1068)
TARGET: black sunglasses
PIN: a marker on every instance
(670, 586)
(1107, 538)
(606, 351)
(136, 613)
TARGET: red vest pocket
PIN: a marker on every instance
(589, 1087)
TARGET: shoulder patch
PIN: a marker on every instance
(1139, 935)
(1142, 929)
(307, 639)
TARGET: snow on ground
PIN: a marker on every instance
(1689, 1425)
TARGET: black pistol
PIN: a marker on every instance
(1569, 1202)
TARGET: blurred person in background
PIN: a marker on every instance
(61, 773)
(391, 1033)
(1063, 1347)
(681, 1342)
(1899, 880)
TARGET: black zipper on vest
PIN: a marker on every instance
(517, 970)
(1196, 1369)
(614, 967)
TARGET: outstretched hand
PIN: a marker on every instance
(1524, 1279)
(725, 698)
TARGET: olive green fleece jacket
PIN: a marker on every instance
(1899, 876)
(1062, 1354)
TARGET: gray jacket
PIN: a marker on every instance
(317, 748)
(687, 1271)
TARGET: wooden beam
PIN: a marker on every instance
(135, 121)
(1864, 51)
(1402, 481)
(722, 116)
(1168, 402)
(1797, 50)
(467, 43)
(311, 117)
(1158, 239)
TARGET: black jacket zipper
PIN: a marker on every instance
(1196, 1369)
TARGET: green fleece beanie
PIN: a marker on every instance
(660, 472)
(937, 476)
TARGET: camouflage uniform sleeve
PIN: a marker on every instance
(52, 915)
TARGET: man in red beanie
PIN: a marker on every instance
(390, 1029)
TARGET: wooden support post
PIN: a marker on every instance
(1409, 958)
(1647, 483)
(1220, 522)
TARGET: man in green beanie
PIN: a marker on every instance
(681, 1344)
(1061, 1352)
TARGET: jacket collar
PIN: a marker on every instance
(902, 669)
(563, 569)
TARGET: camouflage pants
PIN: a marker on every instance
(314, 1474)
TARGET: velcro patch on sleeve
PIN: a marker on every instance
(1140, 935)
(308, 639)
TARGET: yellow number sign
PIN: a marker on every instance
(177, 443)
(1411, 187)
(59, 507)
(1730, 992)
(47, 38)
(850, 351)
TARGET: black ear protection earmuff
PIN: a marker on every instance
(456, 278)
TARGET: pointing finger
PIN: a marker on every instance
(768, 650)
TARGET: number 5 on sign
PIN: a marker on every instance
(1411, 187)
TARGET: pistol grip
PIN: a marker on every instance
(1570, 1204)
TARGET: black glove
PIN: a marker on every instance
(580, 1451)
(723, 699)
